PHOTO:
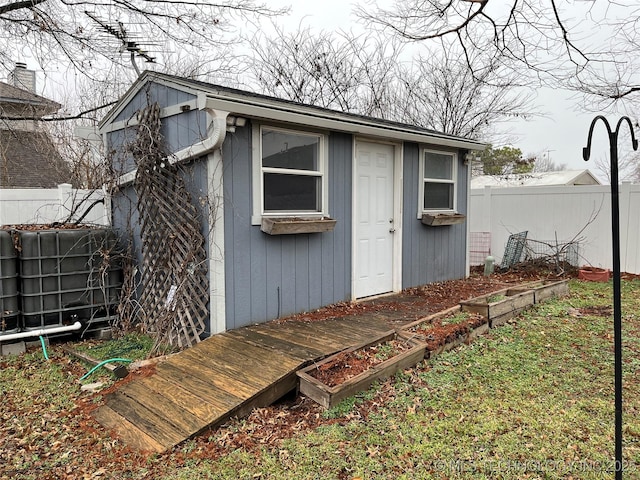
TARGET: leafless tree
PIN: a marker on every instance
(589, 46)
(84, 33)
(372, 75)
(339, 71)
(628, 167)
(465, 96)
(544, 163)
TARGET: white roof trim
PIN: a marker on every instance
(288, 112)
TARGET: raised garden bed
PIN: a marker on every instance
(448, 330)
(500, 306)
(353, 370)
(544, 289)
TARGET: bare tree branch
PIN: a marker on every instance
(10, 7)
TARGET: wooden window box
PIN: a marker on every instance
(439, 219)
(329, 396)
(293, 225)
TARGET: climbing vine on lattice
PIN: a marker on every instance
(175, 287)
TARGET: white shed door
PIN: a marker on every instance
(374, 222)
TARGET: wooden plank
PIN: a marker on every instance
(251, 369)
(249, 352)
(321, 334)
(346, 330)
(306, 334)
(174, 413)
(372, 321)
(155, 426)
(119, 371)
(276, 344)
(269, 395)
(550, 289)
(202, 368)
(131, 435)
(514, 303)
(205, 409)
(205, 389)
(325, 346)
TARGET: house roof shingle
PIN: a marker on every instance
(12, 94)
(29, 159)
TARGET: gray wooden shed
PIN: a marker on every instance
(312, 206)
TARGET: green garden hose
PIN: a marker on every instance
(111, 360)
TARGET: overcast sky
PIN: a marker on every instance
(561, 133)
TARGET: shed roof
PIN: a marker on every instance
(254, 105)
(541, 179)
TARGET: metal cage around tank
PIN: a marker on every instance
(67, 275)
(9, 299)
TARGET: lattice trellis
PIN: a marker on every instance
(175, 287)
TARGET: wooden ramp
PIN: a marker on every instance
(224, 376)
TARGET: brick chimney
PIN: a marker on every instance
(23, 78)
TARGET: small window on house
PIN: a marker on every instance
(291, 173)
(438, 188)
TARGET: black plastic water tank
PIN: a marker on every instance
(68, 275)
(9, 304)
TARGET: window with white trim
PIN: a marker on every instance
(290, 170)
(438, 172)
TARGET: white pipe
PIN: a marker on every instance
(40, 331)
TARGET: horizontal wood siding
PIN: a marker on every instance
(271, 276)
(430, 254)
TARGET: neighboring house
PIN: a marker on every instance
(539, 179)
(28, 157)
(259, 158)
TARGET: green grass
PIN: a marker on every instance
(529, 400)
(532, 399)
(133, 346)
(496, 298)
(455, 318)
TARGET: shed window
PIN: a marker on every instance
(438, 181)
(290, 171)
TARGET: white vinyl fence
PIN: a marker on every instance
(44, 206)
(562, 213)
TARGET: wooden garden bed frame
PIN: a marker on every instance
(329, 397)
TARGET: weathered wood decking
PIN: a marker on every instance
(226, 375)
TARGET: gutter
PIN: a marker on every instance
(216, 133)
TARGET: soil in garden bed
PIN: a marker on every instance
(352, 363)
(448, 329)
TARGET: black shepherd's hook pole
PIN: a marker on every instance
(617, 305)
